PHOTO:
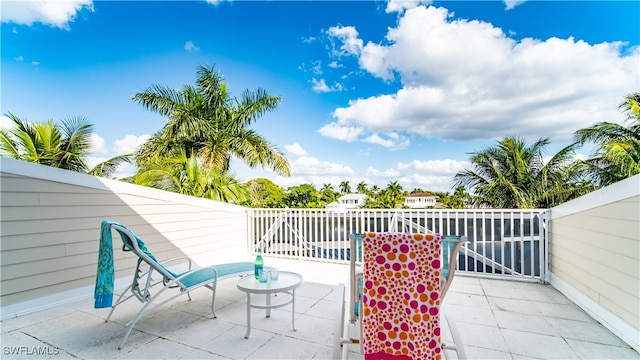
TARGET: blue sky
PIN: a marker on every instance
(372, 91)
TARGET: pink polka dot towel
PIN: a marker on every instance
(401, 296)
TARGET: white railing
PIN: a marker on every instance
(507, 243)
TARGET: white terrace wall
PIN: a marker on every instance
(594, 256)
(50, 230)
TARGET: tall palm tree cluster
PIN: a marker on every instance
(389, 197)
(512, 174)
(617, 154)
(206, 127)
(64, 146)
(206, 122)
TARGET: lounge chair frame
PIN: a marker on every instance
(149, 273)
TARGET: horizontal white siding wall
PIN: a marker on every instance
(50, 229)
(594, 255)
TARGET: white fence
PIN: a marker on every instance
(506, 243)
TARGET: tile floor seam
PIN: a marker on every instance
(51, 345)
(166, 338)
(263, 345)
(495, 319)
(36, 338)
(532, 357)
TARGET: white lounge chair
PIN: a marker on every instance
(152, 278)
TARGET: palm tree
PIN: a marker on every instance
(345, 187)
(513, 175)
(362, 187)
(187, 175)
(617, 153)
(395, 192)
(395, 188)
(207, 121)
(65, 146)
(327, 194)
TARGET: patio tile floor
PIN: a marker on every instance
(497, 319)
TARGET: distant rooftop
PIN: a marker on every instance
(422, 194)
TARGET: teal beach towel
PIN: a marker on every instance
(103, 293)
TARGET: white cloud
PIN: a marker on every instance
(510, 4)
(387, 174)
(286, 182)
(392, 141)
(125, 170)
(93, 161)
(98, 145)
(348, 36)
(307, 165)
(376, 139)
(424, 175)
(433, 175)
(402, 5)
(322, 87)
(317, 67)
(296, 149)
(126, 145)
(445, 167)
(129, 143)
(55, 13)
(427, 182)
(189, 46)
(466, 80)
(19, 58)
(341, 132)
(6, 123)
(217, 2)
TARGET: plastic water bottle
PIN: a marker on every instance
(259, 264)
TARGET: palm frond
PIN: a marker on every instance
(254, 104)
(75, 144)
(108, 167)
(160, 99)
(8, 147)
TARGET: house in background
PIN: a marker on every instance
(352, 201)
(420, 201)
(349, 201)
